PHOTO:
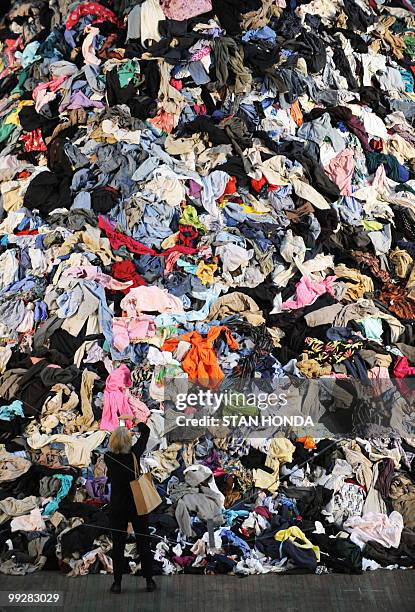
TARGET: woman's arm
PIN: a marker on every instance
(140, 446)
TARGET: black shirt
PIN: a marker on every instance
(120, 472)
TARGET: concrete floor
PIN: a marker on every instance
(379, 591)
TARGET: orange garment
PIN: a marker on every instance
(308, 442)
(201, 363)
(296, 114)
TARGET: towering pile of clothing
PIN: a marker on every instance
(207, 192)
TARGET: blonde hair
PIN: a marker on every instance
(120, 441)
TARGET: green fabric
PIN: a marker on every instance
(402, 187)
(6, 130)
(235, 404)
(409, 45)
(189, 217)
(371, 226)
(23, 75)
(126, 72)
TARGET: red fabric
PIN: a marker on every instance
(402, 368)
(11, 46)
(126, 271)
(219, 471)
(200, 109)
(91, 8)
(262, 511)
(176, 83)
(377, 144)
(117, 240)
(187, 235)
(230, 186)
(34, 141)
(179, 248)
(258, 185)
(33, 232)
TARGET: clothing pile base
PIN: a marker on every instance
(207, 195)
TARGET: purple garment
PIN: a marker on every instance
(356, 126)
(194, 188)
(183, 561)
(98, 488)
(79, 100)
(212, 460)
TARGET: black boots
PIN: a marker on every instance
(150, 586)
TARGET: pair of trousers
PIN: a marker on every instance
(119, 536)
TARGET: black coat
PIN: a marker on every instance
(120, 472)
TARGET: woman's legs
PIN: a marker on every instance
(140, 526)
(119, 537)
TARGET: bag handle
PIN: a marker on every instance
(136, 467)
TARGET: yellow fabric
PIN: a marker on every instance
(250, 209)
(298, 538)
(85, 421)
(92, 240)
(205, 272)
(14, 115)
(281, 450)
(78, 448)
(311, 368)
(264, 480)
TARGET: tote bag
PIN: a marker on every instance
(144, 492)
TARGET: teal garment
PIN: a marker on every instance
(402, 187)
(21, 80)
(394, 170)
(188, 267)
(230, 516)
(53, 505)
(372, 328)
(408, 80)
(29, 54)
(7, 413)
(5, 130)
(126, 72)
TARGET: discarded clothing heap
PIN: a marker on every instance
(209, 194)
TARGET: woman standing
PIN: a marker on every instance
(120, 471)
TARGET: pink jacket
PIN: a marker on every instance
(117, 400)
